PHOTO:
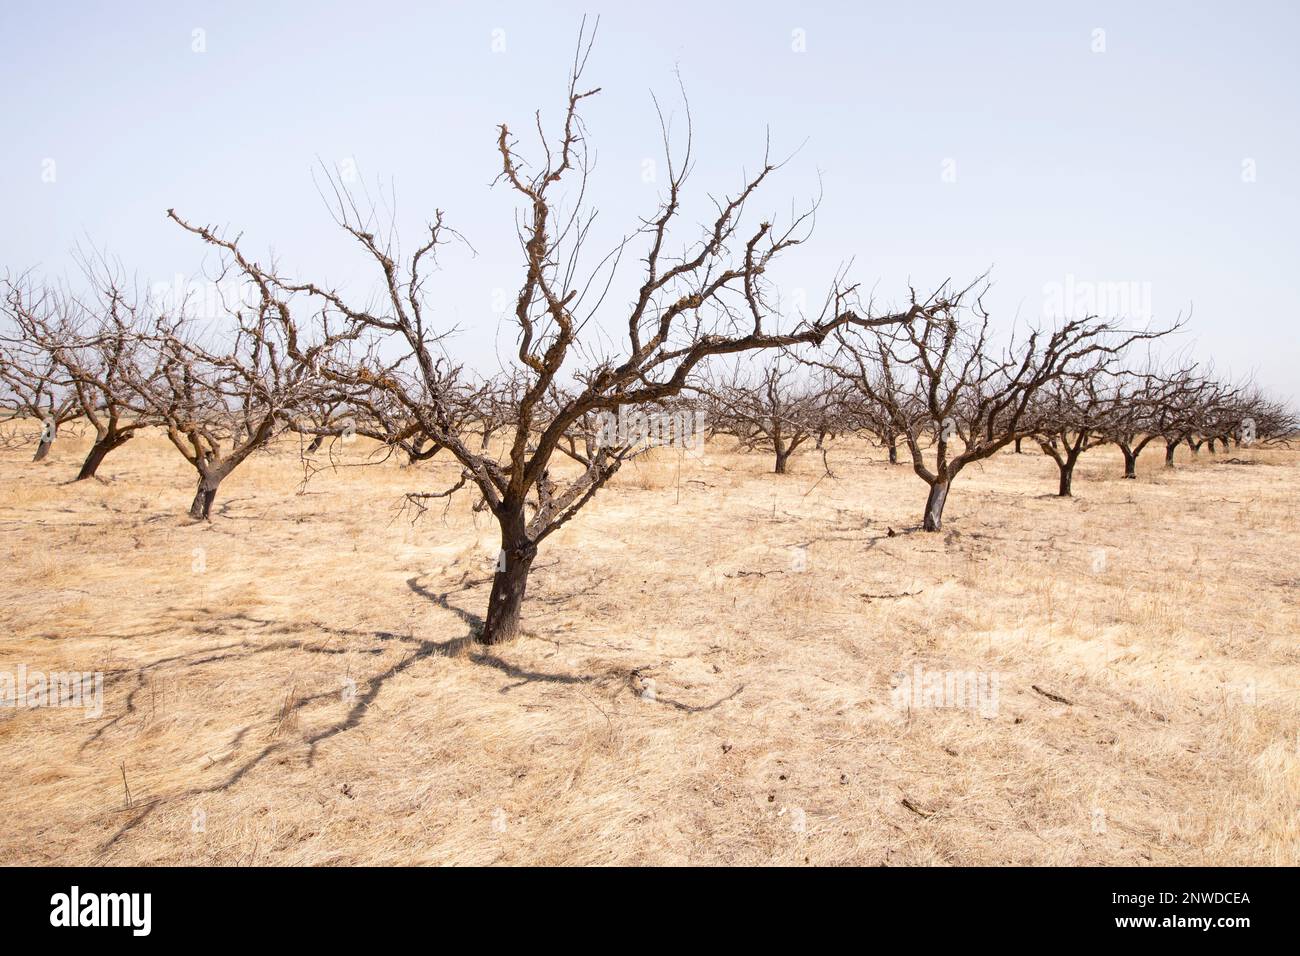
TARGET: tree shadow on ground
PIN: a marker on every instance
(359, 703)
(374, 642)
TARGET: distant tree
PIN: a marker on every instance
(1068, 418)
(1148, 405)
(1248, 415)
(950, 395)
(772, 408)
(33, 383)
(221, 399)
(97, 343)
(865, 413)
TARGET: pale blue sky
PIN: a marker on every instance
(1117, 166)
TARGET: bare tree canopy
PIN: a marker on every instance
(774, 408)
(711, 299)
(954, 398)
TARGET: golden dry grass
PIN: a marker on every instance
(292, 684)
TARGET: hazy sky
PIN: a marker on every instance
(1151, 149)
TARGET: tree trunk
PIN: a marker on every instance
(1211, 444)
(1067, 478)
(1130, 463)
(1170, 448)
(201, 507)
(1018, 451)
(315, 444)
(43, 448)
(509, 583)
(893, 450)
(781, 458)
(934, 506)
(98, 452)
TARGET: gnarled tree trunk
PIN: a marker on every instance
(201, 507)
(1066, 467)
(934, 506)
(99, 451)
(1170, 448)
(1130, 462)
(43, 448)
(510, 581)
(782, 456)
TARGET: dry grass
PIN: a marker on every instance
(292, 684)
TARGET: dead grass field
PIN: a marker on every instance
(684, 694)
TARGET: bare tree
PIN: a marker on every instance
(711, 299)
(1184, 401)
(1145, 406)
(1069, 418)
(1250, 416)
(1239, 413)
(35, 384)
(864, 412)
(773, 408)
(221, 401)
(950, 395)
(97, 342)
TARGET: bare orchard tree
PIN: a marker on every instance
(97, 342)
(836, 414)
(328, 415)
(224, 395)
(1243, 415)
(711, 298)
(1068, 418)
(865, 413)
(772, 407)
(495, 405)
(1184, 400)
(952, 396)
(361, 411)
(1209, 417)
(33, 383)
(1252, 416)
(1145, 406)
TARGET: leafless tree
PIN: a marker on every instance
(1186, 400)
(33, 383)
(1240, 414)
(222, 395)
(1251, 415)
(710, 299)
(1147, 405)
(773, 408)
(1068, 418)
(97, 341)
(951, 395)
(865, 413)
(330, 415)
